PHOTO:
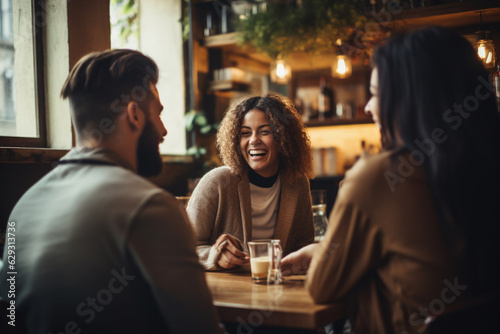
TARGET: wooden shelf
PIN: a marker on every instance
(460, 16)
(337, 121)
(225, 85)
(449, 15)
(221, 40)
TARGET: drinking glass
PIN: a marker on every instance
(265, 257)
(318, 198)
(275, 273)
(260, 260)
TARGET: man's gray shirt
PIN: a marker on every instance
(101, 249)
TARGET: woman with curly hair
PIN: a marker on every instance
(263, 191)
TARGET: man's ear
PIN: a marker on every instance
(134, 115)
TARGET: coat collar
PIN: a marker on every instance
(245, 207)
(289, 197)
(96, 154)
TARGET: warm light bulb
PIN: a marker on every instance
(280, 70)
(341, 67)
(486, 52)
(489, 58)
(481, 51)
(484, 46)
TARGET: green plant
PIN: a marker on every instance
(126, 19)
(196, 121)
(313, 27)
(184, 20)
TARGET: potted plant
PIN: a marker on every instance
(196, 122)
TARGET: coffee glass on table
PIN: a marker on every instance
(265, 256)
(260, 260)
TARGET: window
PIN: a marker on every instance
(154, 28)
(124, 18)
(21, 94)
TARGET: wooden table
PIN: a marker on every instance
(237, 299)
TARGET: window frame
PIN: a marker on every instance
(40, 141)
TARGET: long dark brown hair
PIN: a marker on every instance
(432, 85)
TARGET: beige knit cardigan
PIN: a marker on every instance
(221, 204)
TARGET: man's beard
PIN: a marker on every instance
(149, 161)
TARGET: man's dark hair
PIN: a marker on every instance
(102, 83)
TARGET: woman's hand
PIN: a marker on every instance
(231, 254)
(297, 263)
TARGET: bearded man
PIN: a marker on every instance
(100, 249)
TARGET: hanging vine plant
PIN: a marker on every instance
(312, 27)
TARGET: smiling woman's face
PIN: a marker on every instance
(257, 144)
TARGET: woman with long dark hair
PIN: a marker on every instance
(414, 228)
(432, 84)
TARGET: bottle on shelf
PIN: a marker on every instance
(226, 19)
(325, 100)
(383, 5)
(364, 150)
(209, 25)
(496, 84)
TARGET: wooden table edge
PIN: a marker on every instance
(256, 317)
(317, 316)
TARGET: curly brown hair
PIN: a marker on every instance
(290, 136)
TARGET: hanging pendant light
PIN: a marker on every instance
(341, 66)
(242, 8)
(484, 46)
(281, 71)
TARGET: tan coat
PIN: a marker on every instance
(383, 254)
(221, 204)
